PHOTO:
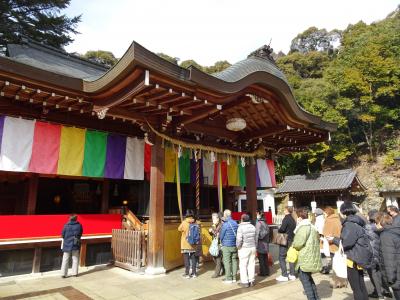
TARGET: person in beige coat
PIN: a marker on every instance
(332, 228)
(187, 249)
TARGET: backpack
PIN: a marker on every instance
(364, 251)
(264, 230)
(193, 236)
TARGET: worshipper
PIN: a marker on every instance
(227, 236)
(71, 244)
(381, 288)
(357, 247)
(390, 252)
(188, 250)
(246, 245)
(214, 232)
(332, 227)
(306, 242)
(262, 240)
(287, 228)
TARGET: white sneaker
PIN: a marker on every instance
(292, 277)
(282, 278)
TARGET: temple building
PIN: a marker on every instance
(323, 189)
(133, 145)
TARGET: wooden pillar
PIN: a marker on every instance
(155, 258)
(36, 260)
(105, 192)
(251, 188)
(82, 254)
(32, 194)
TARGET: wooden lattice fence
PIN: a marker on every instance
(129, 248)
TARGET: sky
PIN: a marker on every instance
(211, 30)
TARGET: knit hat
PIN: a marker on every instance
(319, 212)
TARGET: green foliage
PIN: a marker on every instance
(217, 67)
(314, 39)
(102, 57)
(190, 62)
(171, 59)
(39, 20)
(357, 87)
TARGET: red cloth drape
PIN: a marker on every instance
(45, 148)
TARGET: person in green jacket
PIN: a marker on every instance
(306, 242)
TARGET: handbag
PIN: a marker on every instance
(280, 238)
(339, 262)
(292, 255)
(214, 247)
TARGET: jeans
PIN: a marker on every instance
(189, 258)
(356, 280)
(282, 261)
(377, 280)
(247, 264)
(230, 259)
(65, 262)
(263, 262)
(309, 286)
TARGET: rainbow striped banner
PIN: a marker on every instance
(39, 147)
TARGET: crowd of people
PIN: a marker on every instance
(307, 243)
(238, 245)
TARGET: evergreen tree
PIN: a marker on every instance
(40, 20)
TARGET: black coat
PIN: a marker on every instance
(390, 255)
(288, 226)
(373, 235)
(355, 241)
(72, 230)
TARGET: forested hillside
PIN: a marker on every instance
(352, 78)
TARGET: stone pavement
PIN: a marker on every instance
(115, 283)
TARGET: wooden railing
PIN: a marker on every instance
(129, 248)
(132, 222)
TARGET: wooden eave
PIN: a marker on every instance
(185, 103)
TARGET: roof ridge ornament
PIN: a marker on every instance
(264, 52)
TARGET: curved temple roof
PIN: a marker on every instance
(144, 87)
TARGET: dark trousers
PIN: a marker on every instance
(263, 262)
(378, 281)
(187, 259)
(309, 285)
(282, 261)
(396, 294)
(356, 280)
(219, 267)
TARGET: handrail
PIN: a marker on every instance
(133, 221)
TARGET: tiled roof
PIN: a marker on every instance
(248, 66)
(331, 180)
(54, 60)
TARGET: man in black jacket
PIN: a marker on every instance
(288, 226)
(71, 234)
(390, 252)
